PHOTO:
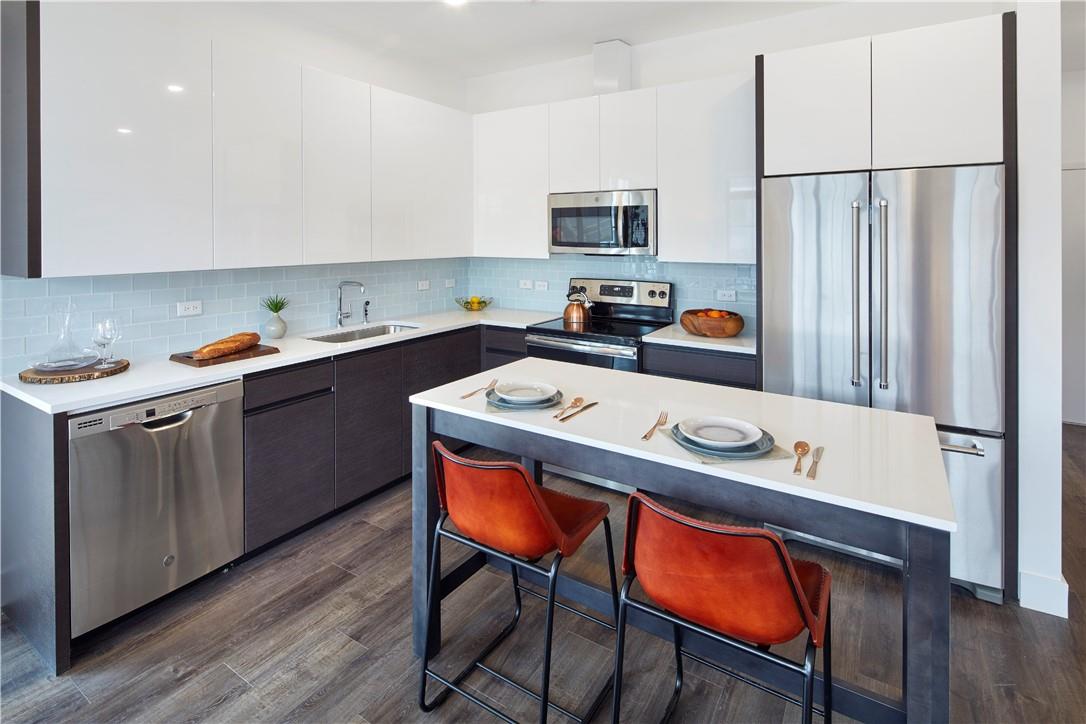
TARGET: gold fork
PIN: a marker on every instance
(660, 422)
(492, 385)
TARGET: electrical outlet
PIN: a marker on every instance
(725, 295)
(525, 283)
(423, 285)
(190, 309)
(542, 286)
(450, 283)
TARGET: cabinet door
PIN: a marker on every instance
(937, 95)
(511, 183)
(817, 111)
(733, 370)
(289, 468)
(335, 168)
(258, 157)
(574, 132)
(434, 362)
(628, 140)
(706, 186)
(422, 206)
(369, 422)
(125, 141)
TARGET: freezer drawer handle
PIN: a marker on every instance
(856, 380)
(884, 377)
(973, 449)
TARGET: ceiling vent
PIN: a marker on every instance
(612, 66)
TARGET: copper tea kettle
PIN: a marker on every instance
(577, 312)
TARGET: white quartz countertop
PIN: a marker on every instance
(743, 343)
(879, 461)
(154, 377)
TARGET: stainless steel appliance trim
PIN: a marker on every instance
(616, 200)
(95, 423)
(640, 296)
(974, 449)
(856, 379)
(884, 347)
(580, 345)
(635, 197)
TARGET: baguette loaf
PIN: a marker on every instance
(228, 345)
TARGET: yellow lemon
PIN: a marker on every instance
(474, 300)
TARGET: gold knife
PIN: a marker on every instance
(814, 466)
(589, 406)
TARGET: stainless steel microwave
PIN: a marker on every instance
(603, 222)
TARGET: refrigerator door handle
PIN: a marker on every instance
(856, 380)
(884, 313)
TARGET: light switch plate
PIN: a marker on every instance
(725, 295)
(424, 284)
(190, 309)
(450, 283)
(525, 283)
(541, 286)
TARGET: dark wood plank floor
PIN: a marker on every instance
(317, 629)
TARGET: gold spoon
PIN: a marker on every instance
(801, 448)
(575, 403)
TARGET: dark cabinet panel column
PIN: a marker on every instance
(369, 422)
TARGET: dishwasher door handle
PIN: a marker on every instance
(169, 422)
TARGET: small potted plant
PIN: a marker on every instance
(275, 327)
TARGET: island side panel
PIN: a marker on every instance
(35, 557)
(424, 514)
(926, 625)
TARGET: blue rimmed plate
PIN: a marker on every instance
(493, 398)
(756, 449)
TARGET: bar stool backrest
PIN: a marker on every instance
(495, 503)
(734, 580)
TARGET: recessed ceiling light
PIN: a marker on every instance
(124, 131)
(174, 88)
(455, 3)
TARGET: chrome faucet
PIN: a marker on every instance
(340, 314)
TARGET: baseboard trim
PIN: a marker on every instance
(1043, 593)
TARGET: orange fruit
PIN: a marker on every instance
(715, 314)
(702, 314)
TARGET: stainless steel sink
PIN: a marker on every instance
(352, 335)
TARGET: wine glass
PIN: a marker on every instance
(106, 332)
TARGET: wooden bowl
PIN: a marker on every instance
(728, 325)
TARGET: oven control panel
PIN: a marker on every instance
(643, 293)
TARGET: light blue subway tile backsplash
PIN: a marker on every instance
(146, 304)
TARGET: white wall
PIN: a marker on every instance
(1041, 581)
(715, 52)
(1074, 244)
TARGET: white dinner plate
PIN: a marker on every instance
(525, 392)
(721, 433)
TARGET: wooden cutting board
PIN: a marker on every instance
(80, 374)
(258, 350)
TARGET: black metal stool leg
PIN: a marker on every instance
(827, 670)
(548, 635)
(611, 565)
(674, 701)
(430, 587)
(808, 682)
(620, 645)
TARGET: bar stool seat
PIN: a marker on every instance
(500, 510)
(736, 585)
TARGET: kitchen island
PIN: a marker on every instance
(881, 487)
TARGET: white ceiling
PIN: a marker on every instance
(487, 37)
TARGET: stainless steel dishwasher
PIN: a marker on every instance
(156, 499)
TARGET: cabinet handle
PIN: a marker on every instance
(856, 380)
(973, 449)
(884, 225)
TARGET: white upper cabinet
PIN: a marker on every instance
(817, 111)
(335, 168)
(125, 141)
(258, 157)
(937, 95)
(511, 183)
(628, 140)
(421, 178)
(575, 145)
(706, 190)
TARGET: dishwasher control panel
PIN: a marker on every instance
(155, 410)
(150, 410)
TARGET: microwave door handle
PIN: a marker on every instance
(620, 214)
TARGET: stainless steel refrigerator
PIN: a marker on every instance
(886, 289)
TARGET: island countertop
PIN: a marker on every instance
(878, 461)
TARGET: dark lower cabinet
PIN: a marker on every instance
(431, 362)
(290, 469)
(721, 368)
(502, 346)
(369, 422)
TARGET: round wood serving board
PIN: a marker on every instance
(80, 374)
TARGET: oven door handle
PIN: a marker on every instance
(607, 350)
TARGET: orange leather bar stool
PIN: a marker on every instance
(499, 509)
(736, 586)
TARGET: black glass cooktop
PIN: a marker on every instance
(600, 329)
